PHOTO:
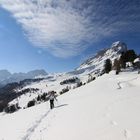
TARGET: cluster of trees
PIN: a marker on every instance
(128, 56)
(73, 80)
(28, 90)
(90, 78)
(10, 95)
(70, 81)
(137, 64)
(14, 107)
(3, 104)
(64, 90)
(11, 108)
(9, 92)
(31, 103)
(79, 84)
(40, 98)
(43, 97)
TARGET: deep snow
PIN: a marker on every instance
(105, 109)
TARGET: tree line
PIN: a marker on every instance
(128, 56)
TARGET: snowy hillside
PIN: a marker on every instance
(90, 105)
(96, 63)
(50, 83)
(105, 109)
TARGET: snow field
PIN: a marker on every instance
(100, 110)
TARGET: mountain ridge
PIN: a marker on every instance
(96, 62)
(7, 77)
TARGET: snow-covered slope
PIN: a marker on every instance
(50, 83)
(96, 63)
(105, 109)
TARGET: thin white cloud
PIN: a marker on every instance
(67, 27)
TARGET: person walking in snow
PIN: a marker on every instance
(52, 97)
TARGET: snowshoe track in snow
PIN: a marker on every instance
(127, 134)
(32, 128)
(127, 83)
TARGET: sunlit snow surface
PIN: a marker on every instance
(105, 109)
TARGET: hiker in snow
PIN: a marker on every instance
(52, 97)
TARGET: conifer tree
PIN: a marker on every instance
(108, 66)
(116, 66)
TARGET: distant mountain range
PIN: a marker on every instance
(7, 77)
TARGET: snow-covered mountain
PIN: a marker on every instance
(108, 107)
(59, 82)
(96, 63)
(7, 77)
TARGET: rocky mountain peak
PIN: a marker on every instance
(119, 47)
(96, 63)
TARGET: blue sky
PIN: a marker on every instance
(57, 35)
